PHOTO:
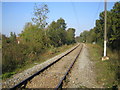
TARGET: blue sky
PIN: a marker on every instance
(78, 15)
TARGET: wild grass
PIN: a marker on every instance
(108, 72)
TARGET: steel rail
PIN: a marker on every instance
(59, 86)
(23, 83)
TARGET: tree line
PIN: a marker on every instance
(36, 38)
(96, 34)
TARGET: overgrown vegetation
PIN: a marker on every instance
(36, 39)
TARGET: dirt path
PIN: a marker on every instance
(82, 74)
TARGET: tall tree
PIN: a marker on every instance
(70, 35)
(57, 32)
(53, 34)
(61, 25)
(40, 15)
(115, 33)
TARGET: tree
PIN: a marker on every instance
(61, 26)
(57, 32)
(34, 37)
(40, 13)
(53, 34)
(115, 33)
(91, 37)
(12, 37)
(84, 35)
(70, 36)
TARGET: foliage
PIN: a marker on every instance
(40, 15)
(58, 35)
(33, 37)
(12, 37)
(13, 55)
(70, 36)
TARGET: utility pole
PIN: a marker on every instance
(105, 31)
(105, 27)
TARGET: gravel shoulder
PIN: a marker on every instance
(82, 74)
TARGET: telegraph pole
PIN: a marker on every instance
(105, 27)
(105, 31)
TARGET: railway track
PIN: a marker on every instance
(53, 75)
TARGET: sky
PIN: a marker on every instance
(78, 15)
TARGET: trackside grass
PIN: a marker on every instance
(108, 72)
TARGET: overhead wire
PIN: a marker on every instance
(96, 12)
(75, 14)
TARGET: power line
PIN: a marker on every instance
(96, 11)
(76, 15)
